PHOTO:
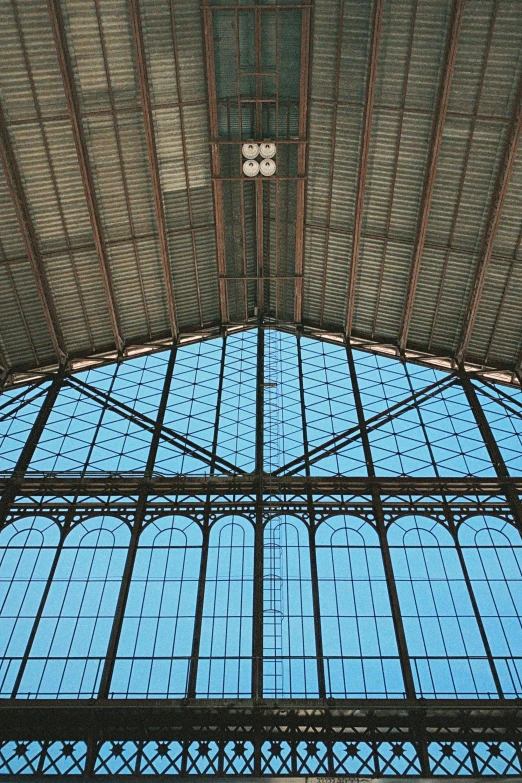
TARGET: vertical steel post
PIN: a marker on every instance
(65, 530)
(312, 530)
(257, 646)
(491, 445)
(29, 448)
(43, 599)
(383, 540)
(141, 506)
(453, 530)
(198, 619)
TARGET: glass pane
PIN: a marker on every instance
(446, 651)
(359, 645)
(330, 408)
(492, 549)
(156, 638)
(289, 667)
(68, 652)
(18, 411)
(27, 550)
(225, 660)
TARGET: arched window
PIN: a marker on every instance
(289, 666)
(225, 654)
(27, 549)
(492, 549)
(156, 638)
(67, 655)
(446, 651)
(359, 645)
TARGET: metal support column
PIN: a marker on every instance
(43, 599)
(453, 529)
(198, 619)
(257, 647)
(312, 530)
(383, 540)
(492, 447)
(29, 448)
(136, 530)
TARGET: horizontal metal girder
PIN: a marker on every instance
(100, 483)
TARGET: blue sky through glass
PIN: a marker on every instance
(418, 418)
(419, 424)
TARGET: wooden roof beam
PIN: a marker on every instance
(21, 206)
(150, 138)
(495, 210)
(431, 168)
(73, 107)
(363, 164)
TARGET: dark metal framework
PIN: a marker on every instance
(292, 711)
(301, 520)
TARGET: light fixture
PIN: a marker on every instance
(251, 168)
(250, 151)
(267, 167)
(267, 149)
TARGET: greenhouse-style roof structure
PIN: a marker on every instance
(260, 390)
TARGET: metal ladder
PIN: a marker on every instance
(273, 598)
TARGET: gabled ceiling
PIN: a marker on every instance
(393, 217)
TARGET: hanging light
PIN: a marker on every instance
(250, 151)
(251, 168)
(267, 167)
(267, 149)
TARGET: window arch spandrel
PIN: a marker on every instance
(446, 651)
(156, 638)
(359, 645)
(67, 656)
(492, 550)
(225, 653)
(27, 550)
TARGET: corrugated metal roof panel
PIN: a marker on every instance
(484, 84)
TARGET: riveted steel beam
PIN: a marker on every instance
(122, 484)
(465, 162)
